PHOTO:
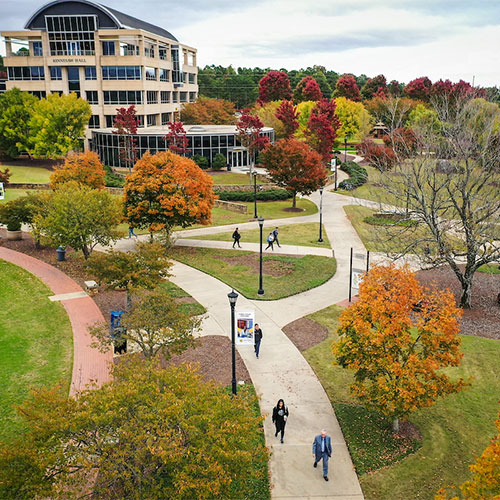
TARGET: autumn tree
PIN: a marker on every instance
(5, 175)
(304, 113)
(395, 88)
(295, 166)
(151, 432)
(208, 111)
(355, 120)
(57, 125)
(376, 155)
(144, 268)
(347, 87)
(419, 89)
(125, 123)
(166, 190)
(153, 325)
(322, 128)
(423, 118)
(398, 337)
(403, 141)
(266, 112)
(288, 115)
(485, 481)
(16, 109)
(248, 131)
(275, 86)
(80, 217)
(375, 85)
(176, 138)
(84, 168)
(307, 90)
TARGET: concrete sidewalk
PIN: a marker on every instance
(281, 372)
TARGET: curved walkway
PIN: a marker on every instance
(89, 365)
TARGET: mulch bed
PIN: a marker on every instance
(305, 333)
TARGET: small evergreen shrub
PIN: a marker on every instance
(111, 179)
(357, 176)
(268, 195)
(201, 161)
(219, 162)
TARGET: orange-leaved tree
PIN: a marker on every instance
(397, 338)
(166, 190)
(208, 111)
(485, 481)
(84, 168)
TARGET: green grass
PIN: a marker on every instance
(36, 342)
(231, 178)
(191, 308)
(28, 174)
(490, 269)
(12, 194)
(305, 234)
(239, 270)
(455, 430)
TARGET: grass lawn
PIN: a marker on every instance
(490, 269)
(282, 275)
(233, 178)
(12, 194)
(295, 234)
(28, 174)
(190, 306)
(36, 342)
(455, 430)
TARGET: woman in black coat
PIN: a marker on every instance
(280, 416)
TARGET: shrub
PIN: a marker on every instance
(357, 176)
(201, 161)
(219, 161)
(111, 179)
(268, 195)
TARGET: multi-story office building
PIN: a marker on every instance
(108, 58)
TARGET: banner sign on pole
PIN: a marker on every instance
(245, 321)
(2, 191)
(357, 278)
(333, 164)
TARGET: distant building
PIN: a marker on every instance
(109, 58)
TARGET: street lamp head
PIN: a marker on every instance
(345, 140)
(261, 222)
(233, 297)
(321, 190)
(255, 174)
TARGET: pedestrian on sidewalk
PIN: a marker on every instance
(257, 337)
(270, 241)
(275, 234)
(131, 232)
(322, 449)
(236, 238)
(280, 416)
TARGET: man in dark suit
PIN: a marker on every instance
(322, 449)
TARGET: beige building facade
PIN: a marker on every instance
(108, 58)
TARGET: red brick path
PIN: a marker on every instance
(89, 365)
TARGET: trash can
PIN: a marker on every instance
(117, 333)
(115, 319)
(61, 254)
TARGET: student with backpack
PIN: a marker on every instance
(270, 241)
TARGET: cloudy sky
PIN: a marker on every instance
(402, 39)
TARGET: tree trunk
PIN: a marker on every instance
(86, 251)
(466, 297)
(395, 425)
(129, 300)
(294, 204)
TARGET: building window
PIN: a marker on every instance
(58, 92)
(183, 96)
(163, 52)
(152, 97)
(121, 72)
(90, 73)
(164, 96)
(71, 35)
(150, 73)
(123, 97)
(41, 94)
(151, 120)
(94, 121)
(175, 96)
(165, 118)
(37, 49)
(92, 96)
(164, 75)
(27, 73)
(149, 50)
(127, 49)
(192, 96)
(191, 78)
(177, 76)
(140, 120)
(110, 121)
(108, 48)
(55, 73)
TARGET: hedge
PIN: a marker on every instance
(111, 179)
(267, 195)
(357, 175)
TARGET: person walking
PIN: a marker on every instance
(322, 449)
(275, 234)
(236, 238)
(131, 232)
(280, 416)
(257, 337)
(270, 241)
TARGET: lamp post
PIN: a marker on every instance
(261, 289)
(345, 149)
(320, 239)
(233, 297)
(255, 194)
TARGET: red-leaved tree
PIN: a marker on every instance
(403, 142)
(288, 115)
(348, 88)
(378, 156)
(293, 165)
(419, 89)
(275, 86)
(126, 128)
(374, 86)
(322, 128)
(248, 129)
(176, 138)
(307, 90)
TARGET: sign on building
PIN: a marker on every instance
(245, 321)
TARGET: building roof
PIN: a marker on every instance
(108, 17)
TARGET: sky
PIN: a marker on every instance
(403, 39)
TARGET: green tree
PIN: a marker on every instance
(79, 217)
(355, 119)
(219, 161)
(323, 83)
(304, 110)
(57, 125)
(423, 118)
(267, 114)
(16, 110)
(145, 268)
(151, 432)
